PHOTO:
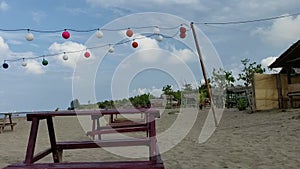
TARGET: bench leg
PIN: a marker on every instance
(32, 141)
(55, 153)
(11, 123)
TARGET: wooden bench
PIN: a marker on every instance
(56, 148)
(119, 125)
(4, 123)
(92, 165)
(293, 90)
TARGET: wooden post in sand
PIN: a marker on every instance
(204, 73)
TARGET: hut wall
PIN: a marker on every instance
(266, 89)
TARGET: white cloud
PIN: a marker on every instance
(137, 2)
(37, 16)
(268, 61)
(4, 48)
(4, 6)
(34, 67)
(181, 55)
(153, 91)
(283, 32)
(68, 47)
(146, 43)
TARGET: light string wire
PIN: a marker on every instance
(124, 41)
(133, 28)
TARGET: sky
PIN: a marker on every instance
(148, 68)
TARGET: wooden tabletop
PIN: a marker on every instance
(45, 114)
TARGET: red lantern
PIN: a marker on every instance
(135, 44)
(182, 35)
(129, 32)
(66, 34)
(87, 54)
(182, 29)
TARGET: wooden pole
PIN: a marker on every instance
(204, 73)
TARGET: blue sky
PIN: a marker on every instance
(36, 87)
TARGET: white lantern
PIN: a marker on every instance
(29, 36)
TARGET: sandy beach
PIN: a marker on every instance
(262, 140)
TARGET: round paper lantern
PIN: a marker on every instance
(5, 65)
(66, 34)
(129, 32)
(182, 29)
(29, 36)
(65, 57)
(45, 62)
(87, 54)
(159, 38)
(156, 31)
(99, 34)
(24, 64)
(111, 49)
(182, 35)
(135, 44)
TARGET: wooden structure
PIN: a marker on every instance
(118, 125)
(233, 94)
(289, 61)
(56, 148)
(4, 123)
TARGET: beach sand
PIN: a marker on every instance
(267, 139)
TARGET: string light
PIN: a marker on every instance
(134, 44)
(156, 30)
(159, 38)
(65, 56)
(29, 36)
(111, 49)
(99, 34)
(66, 34)
(45, 62)
(87, 54)
(24, 64)
(5, 65)
(129, 32)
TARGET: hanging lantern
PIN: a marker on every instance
(129, 32)
(182, 29)
(135, 44)
(99, 34)
(66, 34)
(182, 35)
(5, 65)
(24, 64)
(65, 57)
(111, 49)
(159, 38)
(45, 62)
(29, 36)
(156, 31)
(87, 54)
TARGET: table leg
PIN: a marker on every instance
(152, 137)
(32, 140)
(10, 121)
(98, 128)
(55, 154)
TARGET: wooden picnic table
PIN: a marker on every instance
(4, 123)
(56, 148)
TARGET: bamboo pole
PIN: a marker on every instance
(204, 73)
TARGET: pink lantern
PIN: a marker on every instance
(66, 34)
(87, 54)
(182, 29)
(135, 44)
(129, 32)
(182, 35)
